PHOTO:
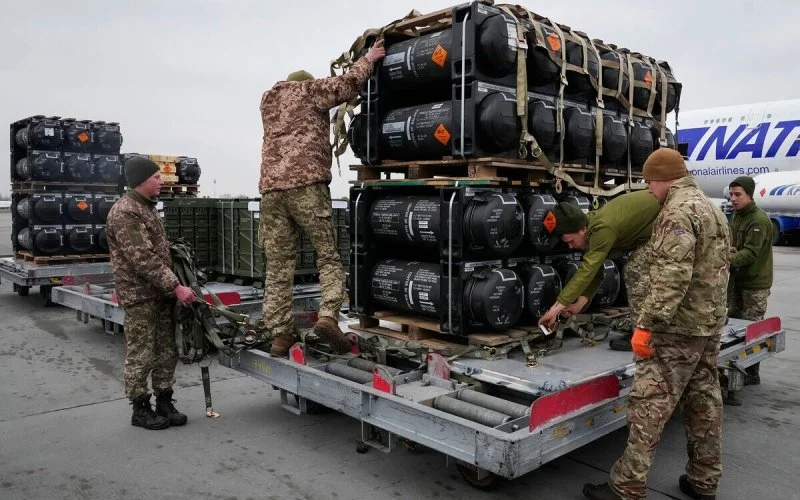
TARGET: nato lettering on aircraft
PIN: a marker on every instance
(725, 145)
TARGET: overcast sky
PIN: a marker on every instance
(185, 77)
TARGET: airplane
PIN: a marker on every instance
(751, 139)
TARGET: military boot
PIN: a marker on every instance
(622, 343)
(752, 376)
(166, 409)
(144, 416)
(600, 492)
(688, 490)
(281, 344)
(328, 330)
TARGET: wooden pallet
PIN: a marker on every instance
(491, 170)
(60, 259)
(72, 187)
(427, 332)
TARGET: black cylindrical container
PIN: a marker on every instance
(541, 221)
(615, 139)
(101, 239)
(542, 286)
(23, 208)
(41, 133)
(107, 168)
(670, 138)
(609, 289)
(542, 124)
(611, 76)
(48, 241)
(46, 209)
(79, 209)
(77, 135)
(578, 134)
(542, 69)
(641, 143)
(188, 170)
(579, 83)
(492, 297)
(77, 166)
(79, 239)
(107, 137)
(498, 124)
(412, 63)
(419, 132)
(103, 205)
(41, 166)
(566, 270)
(492, 222)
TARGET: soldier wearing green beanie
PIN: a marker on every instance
(621, 226)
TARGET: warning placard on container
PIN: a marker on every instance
(549, 222)
(439, 56)
(442, 134)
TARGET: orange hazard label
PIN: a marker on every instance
(441, 134)
(648, 78)
(83, 137)
(439, 56)
(167, 168)
(549, 222)
(82, 205)
(554, 42)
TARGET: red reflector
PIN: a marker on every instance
(762, 328)
(382, 380)
(297, 354)
(558, 404)
(227, 298)
(68, 280)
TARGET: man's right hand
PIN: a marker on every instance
(376, 52)
(185, 295)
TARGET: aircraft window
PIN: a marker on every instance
(705, 121)
(717, 120)
(743, 118)
(769, 115)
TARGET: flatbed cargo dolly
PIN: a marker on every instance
(24, 275)
(496, 417)
(97, 301)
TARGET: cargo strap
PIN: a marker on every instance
(522, 85)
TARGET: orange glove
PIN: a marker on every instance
(641, 343)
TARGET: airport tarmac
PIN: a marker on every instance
(65, 428)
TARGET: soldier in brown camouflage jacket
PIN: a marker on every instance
(295, 173)
(147, 290)
(677, 336)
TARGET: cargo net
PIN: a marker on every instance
(623, 90)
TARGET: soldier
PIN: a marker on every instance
(751, 265)
(295, 173)
(147, 290)
(677, 336)
(623, 225)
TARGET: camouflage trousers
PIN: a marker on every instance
(747, 304)
(682, 371)
(151, 349)
(284, 214)
(637, 280)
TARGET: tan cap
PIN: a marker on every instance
(664, 164)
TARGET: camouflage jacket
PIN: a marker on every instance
(296, 151)
(689, 270)
(139, 251)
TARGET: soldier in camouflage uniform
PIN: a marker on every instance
(295, 173)
(751, 265)
(677, 338)
(146, 289)
(622, 225)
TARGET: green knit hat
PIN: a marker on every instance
(746, 183)
(569, 219)
(138, 169)
(299, 76)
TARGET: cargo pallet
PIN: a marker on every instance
(26, 274)
(26, 256)
(178, 190)
(498, 171)
(571, 397)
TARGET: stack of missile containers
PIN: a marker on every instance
(65, 175)
(481, 258)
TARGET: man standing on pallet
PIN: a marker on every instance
(146, 289)
(622, 225)
(751, 265)
(677, 336)
(295, 173)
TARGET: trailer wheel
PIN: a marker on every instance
(46, 294)
(777, 235)
(476, 477)
(21, 290)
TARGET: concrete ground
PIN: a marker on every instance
(65, 429)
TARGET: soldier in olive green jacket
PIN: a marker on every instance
(622, 225)
(751, 264)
